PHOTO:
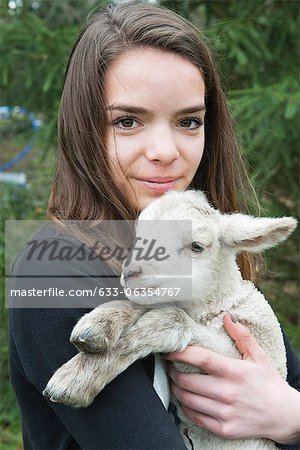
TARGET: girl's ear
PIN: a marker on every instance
(251, 234)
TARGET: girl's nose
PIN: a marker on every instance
(160, 146)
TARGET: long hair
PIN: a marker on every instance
(83, 188)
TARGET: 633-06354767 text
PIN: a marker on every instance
(96, 292)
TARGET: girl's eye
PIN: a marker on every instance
(191, 123)
(126, 123)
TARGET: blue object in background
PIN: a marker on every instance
(5, 113)
(12, 162)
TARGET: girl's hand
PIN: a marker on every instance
(239, 398)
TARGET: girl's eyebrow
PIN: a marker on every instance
(192, 109)
(139, 110)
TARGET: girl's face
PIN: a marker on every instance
(155, 115)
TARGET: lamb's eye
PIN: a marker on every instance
(196, 247)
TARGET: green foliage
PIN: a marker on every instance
(36, 52)
(32, 64)
(18, 203)
(35, 45)
(267, 117)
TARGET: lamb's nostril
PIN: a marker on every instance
(132, 274)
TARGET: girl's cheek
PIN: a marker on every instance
(129, 149)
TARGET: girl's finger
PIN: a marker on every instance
(204, 421)
(200, 404)
(207, 386)
(244, 340)
(211, 362)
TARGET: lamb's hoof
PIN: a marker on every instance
(85, 342)
(66, 389)
(64, 397)
(75, 382)
(95, 336)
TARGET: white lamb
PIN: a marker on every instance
(116, 334)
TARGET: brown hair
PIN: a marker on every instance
(83, 187)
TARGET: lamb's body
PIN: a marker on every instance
(118, 333)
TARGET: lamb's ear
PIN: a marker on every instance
(254, 234)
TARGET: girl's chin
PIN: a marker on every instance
(146, 196)
(145, 201)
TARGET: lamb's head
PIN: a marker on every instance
(185, 249)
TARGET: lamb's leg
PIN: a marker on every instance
(160, 330)
(101, 328)
(78, 381)
(166, 330)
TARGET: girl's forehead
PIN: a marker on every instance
(148, 74)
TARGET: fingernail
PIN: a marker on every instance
(233, 318)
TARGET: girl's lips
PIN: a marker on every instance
(158, 185)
